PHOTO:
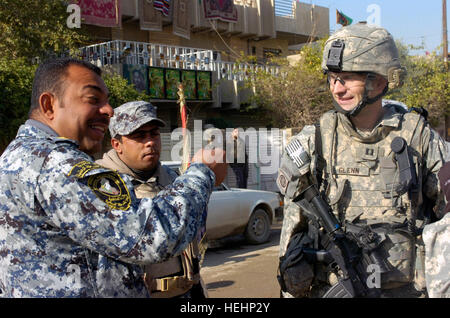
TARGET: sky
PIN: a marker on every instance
(413, 22)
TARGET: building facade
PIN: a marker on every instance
(202, 39)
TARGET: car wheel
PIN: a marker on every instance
(258, 227)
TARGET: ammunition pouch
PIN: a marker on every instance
(338, 290)
(391, 179)
(396, 251)
(295, 274)
(175, 277)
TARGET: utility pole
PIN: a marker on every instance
(445, 53)
(444, 32)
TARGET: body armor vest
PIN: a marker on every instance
(362, 177)
(361, 180)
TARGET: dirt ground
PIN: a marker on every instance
(234, 269)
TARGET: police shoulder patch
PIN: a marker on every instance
(80, 169)
(111, 189)
(107, 186)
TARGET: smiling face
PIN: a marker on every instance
(141, 149)
(347, 88)
(82, 111)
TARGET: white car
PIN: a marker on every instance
(233, 211)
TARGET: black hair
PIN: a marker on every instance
(50, 75)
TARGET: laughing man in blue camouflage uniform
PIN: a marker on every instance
(70, 228)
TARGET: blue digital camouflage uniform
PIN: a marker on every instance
(70, 228)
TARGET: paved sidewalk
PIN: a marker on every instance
(240, 270)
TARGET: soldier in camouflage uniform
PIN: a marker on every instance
(71, 228)
(136, 142)
(352, 162)
(436, 237)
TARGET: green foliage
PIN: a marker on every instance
(425, 85)
(16, 78)
(296, 94)
(121, 91)
(36, 28)
(28, 30)
(312, 56)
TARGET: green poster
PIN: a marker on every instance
(204, 83)
(172, 80)
(137, 75)
(188, 80)
(156, 82)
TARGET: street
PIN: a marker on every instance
(236, 269)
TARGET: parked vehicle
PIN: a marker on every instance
(233, 211)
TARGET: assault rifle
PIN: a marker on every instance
(347, 253)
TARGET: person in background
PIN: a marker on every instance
(436, 237)
(240, 160)
(136, 142)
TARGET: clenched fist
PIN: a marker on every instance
(215, 160)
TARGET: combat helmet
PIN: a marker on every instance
(364, 48)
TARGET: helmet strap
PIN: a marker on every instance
(363, 102)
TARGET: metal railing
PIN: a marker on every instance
(161, 55)
(284, 8)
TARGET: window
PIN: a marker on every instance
(268, 53)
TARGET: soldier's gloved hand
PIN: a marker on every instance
(215, 160)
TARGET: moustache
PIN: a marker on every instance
(151, 152)
(101, 120)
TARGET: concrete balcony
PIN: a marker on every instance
(256, 20)
(306, 22)
(161, 55)
(228, 77)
